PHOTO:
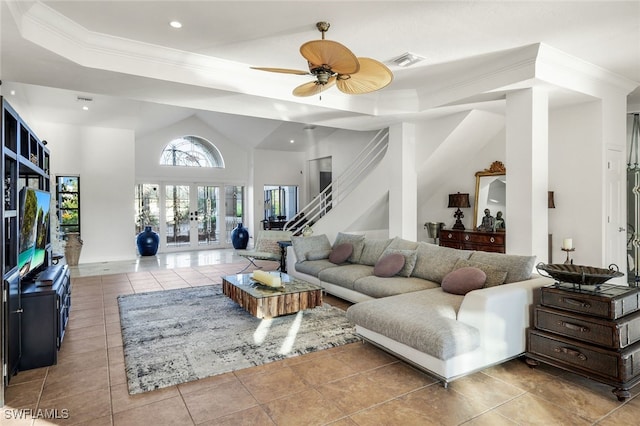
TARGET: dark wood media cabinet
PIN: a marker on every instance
(46, 302)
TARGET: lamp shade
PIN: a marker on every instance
(459, 200)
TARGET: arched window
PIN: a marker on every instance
(191, 151)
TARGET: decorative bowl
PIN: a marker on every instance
(579, 274)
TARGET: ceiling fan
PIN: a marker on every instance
(331, 63)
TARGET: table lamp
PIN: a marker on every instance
(459, 201)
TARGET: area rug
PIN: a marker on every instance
(176, 336)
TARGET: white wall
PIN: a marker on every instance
(342, 146)
(104, 160)
(149, 147)
(574, 176)
(575, 148)
(455, 170)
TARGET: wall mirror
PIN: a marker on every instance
(491, 193)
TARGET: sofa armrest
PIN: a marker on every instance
(291, 259)
(502, 314)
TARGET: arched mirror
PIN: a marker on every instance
(491, 195)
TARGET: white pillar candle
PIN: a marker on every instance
(567, 244)
(267, 279)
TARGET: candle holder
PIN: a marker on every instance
(568, 250)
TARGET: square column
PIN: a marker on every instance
(527, 163)
(403, 197)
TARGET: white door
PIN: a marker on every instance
(191, 213)
(615, 229)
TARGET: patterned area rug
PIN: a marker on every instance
(176, 336)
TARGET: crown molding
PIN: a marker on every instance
(55, 32)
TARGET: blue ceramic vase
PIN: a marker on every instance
(147, 242)
(240, 237)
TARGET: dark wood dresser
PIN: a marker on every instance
(594, 333)
(473, 240)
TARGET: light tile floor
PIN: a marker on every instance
(355, 384)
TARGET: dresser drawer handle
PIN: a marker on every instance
(571, 352)
(493, 240)
(574, 327)
(575, 302)
(449, 236)
(466, 238)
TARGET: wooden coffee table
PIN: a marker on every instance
(267, 302)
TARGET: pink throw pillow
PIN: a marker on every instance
(389, 265)
(341, 253)
(463, 280)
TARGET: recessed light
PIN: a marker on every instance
(291, 141)
(86, 108)
(13, 92)
(175, 24)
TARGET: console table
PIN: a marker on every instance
(594, 333)
(473, 240)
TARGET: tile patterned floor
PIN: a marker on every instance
(356, 384)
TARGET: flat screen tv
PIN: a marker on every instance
(34, 229)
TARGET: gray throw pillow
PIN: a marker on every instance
(402, 244)
(356, 240)
(372, 250)
(434, 262)
(518, 268)
(495, 276)
(318, 254)
(410, 257)
(314, 243)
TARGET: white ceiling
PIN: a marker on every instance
(142, 74)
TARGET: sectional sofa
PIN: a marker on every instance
(449, 312)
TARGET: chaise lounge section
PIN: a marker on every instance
(449, 312)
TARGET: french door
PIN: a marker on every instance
(191, 216)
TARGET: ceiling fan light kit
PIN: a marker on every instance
(332, 63)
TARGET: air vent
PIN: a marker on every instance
(407, 59)
(84, 99)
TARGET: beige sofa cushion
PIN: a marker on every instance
(312, 245)
(402, 244)
(410, 257)
(313, 267)
(372, 250)
(345, 275)
(383, 287)
(434, 262)
(518, 268)
(356, 240)
(425, 320)
(495, 276)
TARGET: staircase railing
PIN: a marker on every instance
(341, 187)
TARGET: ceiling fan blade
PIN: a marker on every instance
(282, 70)
(373, 75)
(313, 88)
(331, 53)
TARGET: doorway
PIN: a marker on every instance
(280, 205)
(320, 178)
(189, 216)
